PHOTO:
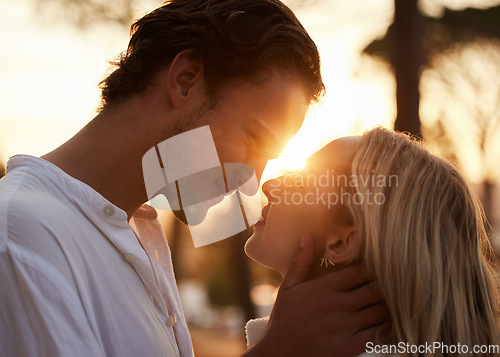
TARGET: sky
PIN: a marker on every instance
(48, 78)
(49, 72)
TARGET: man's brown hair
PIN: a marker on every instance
(234, 39)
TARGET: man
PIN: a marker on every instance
(77, 280)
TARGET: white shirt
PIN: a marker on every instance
(74, 279)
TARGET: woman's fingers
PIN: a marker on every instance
(347, 278)
(371, 316)
(365, 295)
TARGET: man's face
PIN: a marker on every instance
(252, 122)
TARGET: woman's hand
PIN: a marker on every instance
(335, 315)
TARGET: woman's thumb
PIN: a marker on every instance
(300, 264)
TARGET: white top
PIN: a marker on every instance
(74, 278)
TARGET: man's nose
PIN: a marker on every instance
(259, 166)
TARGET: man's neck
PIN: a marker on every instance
(107, 155)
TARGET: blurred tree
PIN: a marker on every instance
(467, 78)
(413, 40)
(406, 57)
(229, 280)
(454, 30)
(440, 33)
(444, 145)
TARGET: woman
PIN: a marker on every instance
(409, 216)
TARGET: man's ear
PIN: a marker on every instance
(342, 246)
(185, 78)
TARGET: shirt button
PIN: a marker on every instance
(109, 210)
(130, 257)
(172, 320)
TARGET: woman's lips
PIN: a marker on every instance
(262, 219)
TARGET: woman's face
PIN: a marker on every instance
(302, 203)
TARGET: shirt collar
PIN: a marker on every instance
(76, 189)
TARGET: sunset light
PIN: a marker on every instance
(192, 106)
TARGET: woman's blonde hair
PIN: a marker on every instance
(426, 245)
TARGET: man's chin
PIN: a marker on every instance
(181, 216)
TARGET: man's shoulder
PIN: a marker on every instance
(29, 204)
(24, 192)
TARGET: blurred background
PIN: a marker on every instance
(429, 67)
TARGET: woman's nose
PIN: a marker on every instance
(271, 188)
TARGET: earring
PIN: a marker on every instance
(324, 263)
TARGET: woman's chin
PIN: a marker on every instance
(250, 247)
(256, 250)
